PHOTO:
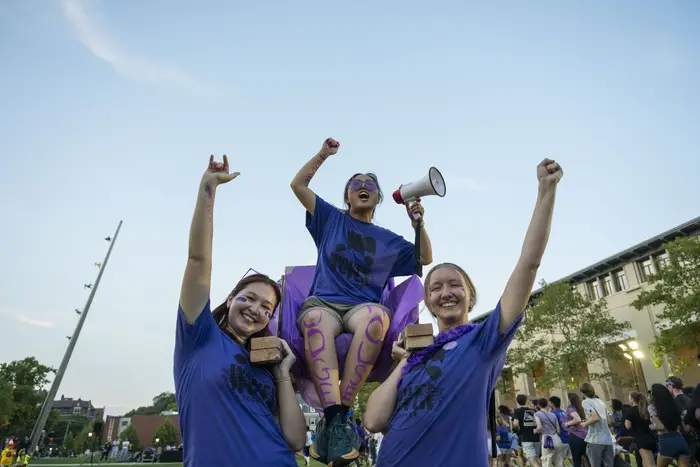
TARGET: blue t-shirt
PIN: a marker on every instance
(563, 418)
(441, 410)
(226, 405)
(355, 258)
(504, 437)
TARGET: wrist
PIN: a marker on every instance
(546, 188)
(207, 186)
(323, 156)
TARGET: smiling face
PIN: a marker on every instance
(449, 295)
(362, 193)
(251, 309)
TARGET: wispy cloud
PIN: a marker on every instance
(85, 20)
(465, 183)
(36, 322)
(25, 318)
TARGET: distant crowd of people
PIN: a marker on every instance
(657, 429)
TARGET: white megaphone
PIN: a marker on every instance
(431, 184)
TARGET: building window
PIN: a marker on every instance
(621, 280)
(76, 409)
(594, 289)
(608, 285)
(663, 260)
(647, 269)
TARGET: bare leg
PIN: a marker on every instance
(368, 325)
(320, 330)
(647, 457)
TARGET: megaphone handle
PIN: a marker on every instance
(416, 251)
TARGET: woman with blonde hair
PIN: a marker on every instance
(423, 404)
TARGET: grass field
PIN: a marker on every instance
(85, 460)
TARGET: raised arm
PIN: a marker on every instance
(197, 281)
(519, 287)
(300, 184)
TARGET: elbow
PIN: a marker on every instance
(425, 261)
(373, 424)
(297, 445)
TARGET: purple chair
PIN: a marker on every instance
(403, 300)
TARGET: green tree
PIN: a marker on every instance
(23, 381)
(166, 434)
(562, 333)
(360, 402)
(7, 402)
(69, 441)
(83, 440)
(676, 290)
(129, 434)
(162, 402)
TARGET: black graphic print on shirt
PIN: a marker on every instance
(420, 393)
(261, 396)
(354, 259)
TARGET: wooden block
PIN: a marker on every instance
(418, 342)
(417, 336)
(260, 343)
(265, 356)
(413, 330)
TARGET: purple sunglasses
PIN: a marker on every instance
(370, 185)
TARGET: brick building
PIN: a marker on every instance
(146, 427)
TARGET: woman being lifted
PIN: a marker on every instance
(355, 261)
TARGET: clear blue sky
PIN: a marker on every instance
(110, 110)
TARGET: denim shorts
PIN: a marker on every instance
(341, 312)
(673, 446)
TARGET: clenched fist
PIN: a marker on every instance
(330, 147)
(549, 173)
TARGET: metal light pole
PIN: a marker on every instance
(48, 402)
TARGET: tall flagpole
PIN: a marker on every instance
(48, 402)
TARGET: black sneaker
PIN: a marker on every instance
(341, 443)
(319, 450)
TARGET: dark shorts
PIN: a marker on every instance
(307, 453)
(673, 446)
(341, 312)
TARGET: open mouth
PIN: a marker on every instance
(363, 195)
(450, 304)
(248, 318)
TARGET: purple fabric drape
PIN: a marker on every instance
(403, 300)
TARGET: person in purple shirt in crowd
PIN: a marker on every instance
(434, 405)
(231, 412)
(356, 259)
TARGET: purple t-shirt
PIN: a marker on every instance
(442, 406)
(226, 405)
(576, 430)
(355, 258)
(548, 421)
